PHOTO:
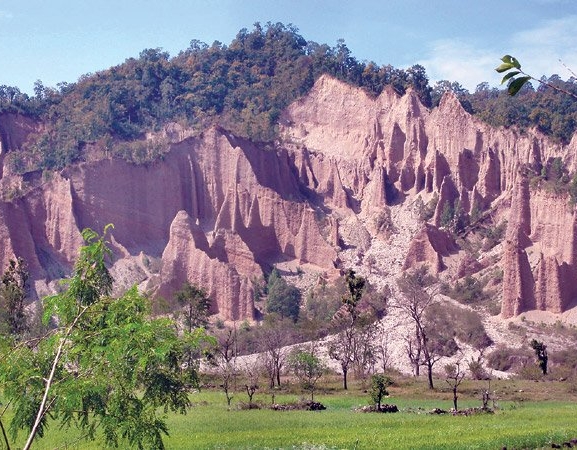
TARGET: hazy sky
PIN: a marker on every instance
(458, 40)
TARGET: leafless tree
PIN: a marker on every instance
(273, 336)
(224, 360)
(417, 295)
(383, 349)
(251, 372)
(413, 349)
(342, 349)
(354, 346)
(454, 377)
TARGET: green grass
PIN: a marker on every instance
(528, 425)
(211, 425)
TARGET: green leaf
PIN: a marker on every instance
(517, 84)
(508, 59)
(504, 67)
(509, 75)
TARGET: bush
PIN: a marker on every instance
(426, 212)
(530, 372)
(505, 358)
(383, 221)
(283, 298)
(564, 363)
(468, 291)
(477, 371)
(465, 325)
(493, 235)
(379, 384)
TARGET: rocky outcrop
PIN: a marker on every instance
(219, 210)
(243, 206)
(387, 148)
(429, 247)
(539, 262)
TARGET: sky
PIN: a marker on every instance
(457, 40)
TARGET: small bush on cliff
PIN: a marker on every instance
(493, 235)
(426, 211)
(469, 291)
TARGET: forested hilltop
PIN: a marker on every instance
(242, 87)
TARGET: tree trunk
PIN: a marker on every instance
(455, 398)
(430, 375)
(345, 379)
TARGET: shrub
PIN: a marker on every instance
(505, 358)
(283, 298)
(379, 384)
(564, 363)
(466, 325)
(468, 291)
(477, 371)
(383, 221)
(493, 235)
(426, 212)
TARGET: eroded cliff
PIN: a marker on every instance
(218, 210)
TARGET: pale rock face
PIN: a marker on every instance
(391, 143)
(219, 210)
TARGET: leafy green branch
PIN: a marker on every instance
(516, 77)
(108, 365)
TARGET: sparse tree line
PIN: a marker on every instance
(106, 364)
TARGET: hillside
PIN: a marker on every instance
(347, 184)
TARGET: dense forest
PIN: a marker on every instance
(242, 87)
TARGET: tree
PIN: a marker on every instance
(343, 346)
(251, 372)
(224, 359)
(417, 296)
(307, 367)
(454, 376)
(379, 385)
(13, 295)
(195, 304)
(273, 336)
(541, 353)
(195, 307)
(283, 299)
(106, 365)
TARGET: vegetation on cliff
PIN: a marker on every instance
(242, 87)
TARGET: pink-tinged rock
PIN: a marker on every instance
(429, 247)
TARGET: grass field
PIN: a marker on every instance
(517, 423)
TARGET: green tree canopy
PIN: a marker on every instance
(107, 365)
(283, 299)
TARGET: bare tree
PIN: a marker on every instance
(454, 377)
(354, 346)
(365, 357)
(251, 372)
(224, 359)
(383, 349)
(413, 349)
(417, 295)
(273, 336)
(342, 349)
(343, 346)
